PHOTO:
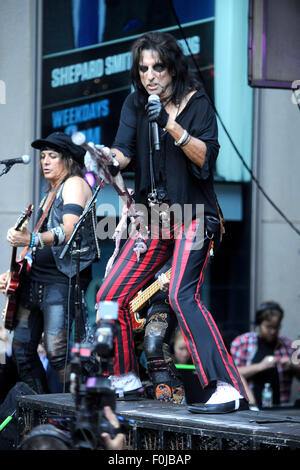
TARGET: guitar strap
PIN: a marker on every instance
(41, 220)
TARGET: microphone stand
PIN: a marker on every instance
(5, 169)
(75, 240)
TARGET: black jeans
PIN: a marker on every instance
(43, 308)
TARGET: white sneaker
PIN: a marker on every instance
(224, 393)
(125, 382)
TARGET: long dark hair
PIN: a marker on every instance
(267, 310)
(73, 168)
(171, 55)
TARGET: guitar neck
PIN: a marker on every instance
(141, 299)
(13, 258)
(19, 226)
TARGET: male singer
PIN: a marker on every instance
(172, 138)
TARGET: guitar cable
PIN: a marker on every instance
(68, 325)
(7, 420)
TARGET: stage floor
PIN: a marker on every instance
(172, 427)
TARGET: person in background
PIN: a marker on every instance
(54, 384)
(181, 352)
(8, 369)
(263, 356)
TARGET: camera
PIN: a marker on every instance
(106, 330)
(93, 392)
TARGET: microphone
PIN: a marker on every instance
(11, 161)
(155, 133)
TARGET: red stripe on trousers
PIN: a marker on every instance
(208, 317)
(229, 358)
(184, 259)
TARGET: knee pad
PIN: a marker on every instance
(158, 372)
(154, 338)
(56, 348)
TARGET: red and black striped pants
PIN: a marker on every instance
(202, 336)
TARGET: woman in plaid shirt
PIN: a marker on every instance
(262, 356)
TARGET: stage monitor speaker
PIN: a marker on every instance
(274, 44)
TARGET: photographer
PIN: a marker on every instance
(95, 425)
(118, 442)
(48, 437)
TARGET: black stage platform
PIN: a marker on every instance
(172, 427)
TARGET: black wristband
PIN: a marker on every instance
(55, 241)
(114, 168)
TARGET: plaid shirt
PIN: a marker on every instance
(243, 349)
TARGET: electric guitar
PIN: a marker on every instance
(140, 300)
(17, 271)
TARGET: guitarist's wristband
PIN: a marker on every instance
(40, 244)
(32, 240)
(59, 235)
(36, 241)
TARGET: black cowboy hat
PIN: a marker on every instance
(62, 143)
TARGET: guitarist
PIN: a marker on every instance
(47, 292)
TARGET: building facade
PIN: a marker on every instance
(260, 257)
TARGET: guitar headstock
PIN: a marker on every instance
(97, 156)
(24, 218)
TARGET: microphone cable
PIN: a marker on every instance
(296, 98)
(226, 131)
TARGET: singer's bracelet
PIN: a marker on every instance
(186, 141)
(182, 139)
